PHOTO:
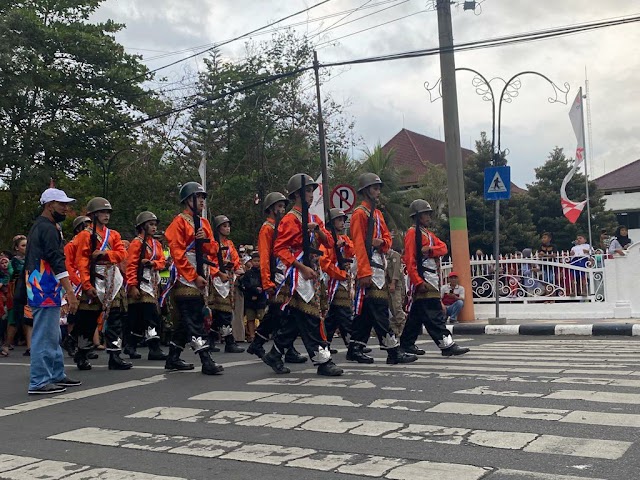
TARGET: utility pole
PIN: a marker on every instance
(453, 156)
(322, 140)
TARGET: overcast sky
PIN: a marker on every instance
(385, 97)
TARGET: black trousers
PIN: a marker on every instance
(274, 319)
(190, 320)
(221, 319)
(311, 330)
(143, 316)
(375, 314)
(339, 317)
(427, 312)
(86, 322)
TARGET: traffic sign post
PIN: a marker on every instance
(343, 197)
(497, 186)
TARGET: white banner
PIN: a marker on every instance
(317, 205)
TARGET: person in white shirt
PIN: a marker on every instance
(580, 253)
(452, 296)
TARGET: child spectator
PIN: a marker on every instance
(255, 300)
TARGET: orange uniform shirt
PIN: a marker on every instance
(288, 245)
(359, 221)
(265, 249)
(329, 259)
(180, 234)
(230, 255)
(70, 262)
(438, 249)
(115, 252)
(133, 258)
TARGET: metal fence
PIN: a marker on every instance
(549, 278)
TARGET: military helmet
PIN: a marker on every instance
(295, 183)
(367, 179)
(219, 220)
(271, 199)
(97, 204)
(336, 213)
(79, 221)
(191, 188)
(145, 217)
(419, 206)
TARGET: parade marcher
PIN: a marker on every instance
(336, 263)
(192, 248)
(99, 251)
(46, 276)
(299, 235)
(371, 239)
(422, 258)
(272, 273)
(221, 296)
(255, 299)
(145, 261)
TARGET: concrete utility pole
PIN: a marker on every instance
(453, 156)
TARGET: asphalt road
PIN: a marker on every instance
(514, 408)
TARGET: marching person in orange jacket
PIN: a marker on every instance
(272, 276)
(192, 250)
(371, 239)
(302, 274)
(145, 261)
(340, 314)
(422, 258)
(99, 250)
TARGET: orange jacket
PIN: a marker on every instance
(289, 242)
(359, 221)
(133, 256)
(115, 252)
(180, 234)
(230, 255)
(329, 259)
(265, 249)
(70, 262)
(438, 249)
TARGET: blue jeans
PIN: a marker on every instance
(47, 360)
(454, 309)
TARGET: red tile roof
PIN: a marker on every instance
(624, 178)
(414, 151)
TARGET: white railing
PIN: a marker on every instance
(556, 278)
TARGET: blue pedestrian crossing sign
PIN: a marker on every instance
(497, 183)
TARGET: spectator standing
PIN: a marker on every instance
(16, 320)
(452, 298)
(580, 253)
(255, 301)
(46, 276)
(547, 253)
(621, 241)
(395, 278)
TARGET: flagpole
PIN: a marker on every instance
(586, 170)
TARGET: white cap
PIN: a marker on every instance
(55, 195)
(245, 259)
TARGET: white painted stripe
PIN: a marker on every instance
(11, 462)
(502, 329)
(578, 447)
(585, 395)
(523, 475)
(441, 471)
(635, 330)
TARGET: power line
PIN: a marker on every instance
(340, 20)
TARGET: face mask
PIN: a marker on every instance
(58, 217)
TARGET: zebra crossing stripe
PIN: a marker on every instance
(584, 395)
(524, 441)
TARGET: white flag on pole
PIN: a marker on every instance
(571, 209)
(317, 205)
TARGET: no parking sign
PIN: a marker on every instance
(343, 197)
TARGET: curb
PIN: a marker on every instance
(596, 329)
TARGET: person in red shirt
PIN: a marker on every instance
(340, 314)
(99, 251)
(371, 240)
(272, 276)
(221, 296)
(145, 259)
(302, 273)
(189, 290)
(422, 259)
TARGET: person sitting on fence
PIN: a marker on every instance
(620, 242)
(452, 296)
(580, 253)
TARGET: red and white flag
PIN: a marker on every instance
(571, 209)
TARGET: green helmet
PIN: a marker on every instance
(97, 204)
(145, 217)
(191, 188)
(295, 183)
(419, 206)
(367, 179)
(79, 221)
(271, 199)
(336, 213)
(219, 220)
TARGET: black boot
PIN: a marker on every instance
(413, 349)
(70, 345)
(80, 358)
(329, 369)
(256, 347)
(212, 342)
(294, 356)
(155, 353)
(355, 354)
(395, 356)
(274, 360)
(209, 367)
(230, 345)
(174, 362)
(366, 350)
(332, 351)
(454, 350)
(130, 348)
(117, 363)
